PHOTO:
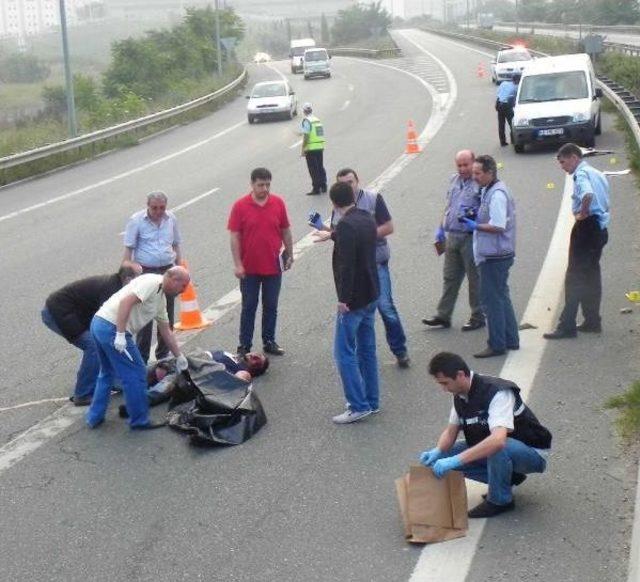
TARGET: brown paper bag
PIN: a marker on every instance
(432, 510)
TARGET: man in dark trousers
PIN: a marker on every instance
(356, 278)
(583, 281)
(505, 101)
(68, 312)
(313, 149)
(503, 440)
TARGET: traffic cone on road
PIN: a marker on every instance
(480, 71)
(412, 140)
(190, 315)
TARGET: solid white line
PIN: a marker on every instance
(34, 403)
(126, 174)
(276, 71)
(52, 425)
(345, 105)
(187, 203)
(634, 557)
(295, 145)
(451, 561)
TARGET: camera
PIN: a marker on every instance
(467, 212)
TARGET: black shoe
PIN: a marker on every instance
(122, 411)
(150, 426)
(437, 321)
(323, 189)
(513, 348)
(472, 325)
(518, 479)
(243, 350)
(273, 348)
(404, 361)
(488, 509)
(489, 353)
(560, 333)
(503, 143)
(81, 400)
(312, 193)
(588, 328)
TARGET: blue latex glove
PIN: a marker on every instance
(428, 458)
(471, 224)
(442, 466)
(439, 234)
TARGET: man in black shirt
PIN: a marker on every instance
(69, 311)
(356, 278)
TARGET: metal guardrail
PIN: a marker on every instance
(118, 130)
(627, 103)
(367, 53)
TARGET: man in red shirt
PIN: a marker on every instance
(259, 226)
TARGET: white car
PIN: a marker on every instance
(509, 61)
(261, 58)
(271, 99)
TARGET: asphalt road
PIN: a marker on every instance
(305, 500)
(620, 38)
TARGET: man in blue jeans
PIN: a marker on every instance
(356, 279)
(68, 313)
(503, 439)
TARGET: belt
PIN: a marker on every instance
(156, 269)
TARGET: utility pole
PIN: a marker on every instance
(467, 14)
(218, 47)
(71, 106)
(517, 18)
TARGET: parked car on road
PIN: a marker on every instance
(271, 99)
(509, 61)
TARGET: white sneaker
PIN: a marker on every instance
(373, 410)
(349, 416)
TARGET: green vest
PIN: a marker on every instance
(315, 138)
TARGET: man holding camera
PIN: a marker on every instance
(463, 201)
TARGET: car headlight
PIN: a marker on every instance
(521, 122)
(579, 117)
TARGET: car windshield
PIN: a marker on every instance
(553, 87)
(315, 56)
(513, 56)
(269, 90)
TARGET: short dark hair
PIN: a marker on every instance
(345, 172)
(260, 174)
(448, 364)
(488, 165)
(257, 370)
(568, 150)
(126, 272)
(341, 194)
(516, 77)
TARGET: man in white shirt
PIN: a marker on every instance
(114, 327)
(503, 440)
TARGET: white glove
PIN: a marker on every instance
(120, 343)
(181, 363)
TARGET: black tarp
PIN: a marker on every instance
(214, 407)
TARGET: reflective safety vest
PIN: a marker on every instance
(315, 138)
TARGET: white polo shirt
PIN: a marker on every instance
(153, 304)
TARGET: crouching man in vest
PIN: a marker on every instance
(503, 440)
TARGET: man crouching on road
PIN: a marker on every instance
(114, 327)
(503, 439)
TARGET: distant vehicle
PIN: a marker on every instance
(558, 101)
(486, 21)
(509, 61)
(261, 58)
(316, 63)
(271, 99)
(296, 52)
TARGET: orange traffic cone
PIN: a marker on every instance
(412, 140)
(480, 71)
(190, 314)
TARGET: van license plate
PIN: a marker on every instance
(554, 131)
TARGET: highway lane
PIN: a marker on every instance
(620, 38)
(304, 499)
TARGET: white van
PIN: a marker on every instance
(296, 52)
(316, 63)
(557, 101)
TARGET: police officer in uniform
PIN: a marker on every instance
(313, 149)
(503, 439)
(505, 101)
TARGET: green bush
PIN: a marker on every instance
(623, 69)
(358, 22)
(21, 68)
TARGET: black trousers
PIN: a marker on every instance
(143, 339)
(316, 170)
(505, 113)
(583, 281)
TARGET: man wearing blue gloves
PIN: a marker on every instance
(505, 101)
(463, 200)
(503, 439)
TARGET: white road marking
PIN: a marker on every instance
(451, 561)
(351, 88)
(277, 71)
(126, 174)
(295, 145)
(188, 203)
(345, 105)
(34, 403)
(51, 426)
